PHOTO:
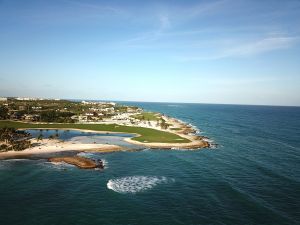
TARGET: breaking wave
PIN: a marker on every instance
(87, 155)
(134, 184)
(105, 163)
(16, 160)
(58, 165)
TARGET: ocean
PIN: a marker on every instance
(252, 176)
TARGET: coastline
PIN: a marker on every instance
(182, 130)
(48, 146)
(193, 145)
(195, 141)
(149, 134)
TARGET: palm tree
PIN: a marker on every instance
(7, 134)
(14, 139)
(56, 134)
(40, 137)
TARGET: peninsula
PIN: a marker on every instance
(150, 129)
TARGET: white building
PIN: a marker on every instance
(2, 99)
(25, 99)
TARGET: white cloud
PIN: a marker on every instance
(244, 48)
(261, 46)
(164, 21)
(98, 7)
(206, 8)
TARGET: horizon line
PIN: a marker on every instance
(110, 100)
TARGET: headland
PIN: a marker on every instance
(150, 129)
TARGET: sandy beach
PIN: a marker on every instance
(194, 144)
(48, 146)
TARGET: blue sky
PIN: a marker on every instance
(217, 51)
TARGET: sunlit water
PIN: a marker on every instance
(251, 178)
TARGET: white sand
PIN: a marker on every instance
(53, 146)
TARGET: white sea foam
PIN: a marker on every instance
(135, 184)
(105, 163)
(86, 155)
(211, 142)
(58, 165)
(198, 131)
(181, 149)
(16, 160)
(194, 128)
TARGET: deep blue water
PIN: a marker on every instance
(253, 177)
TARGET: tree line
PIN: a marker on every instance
(12, 139)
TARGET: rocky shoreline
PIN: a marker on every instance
(47, 146)
(79, 161)
(181, 129)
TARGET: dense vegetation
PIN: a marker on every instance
(3, 113)
(145, 134)
(12, 139)
(71, 114)
(57, 117)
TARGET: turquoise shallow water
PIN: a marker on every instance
(251, 178)
(86, 137)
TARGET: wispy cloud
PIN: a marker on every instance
(99, 7)
(205, 8)
(261, 46)
(164, 21)
(246, 49)
(170, 18)
(66, 12)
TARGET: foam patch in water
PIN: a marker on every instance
(16, 160)
(87, 155)
(211, 142)
(105, 163)
(135, 184)
(58, 165)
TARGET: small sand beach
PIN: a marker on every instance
(48, 146)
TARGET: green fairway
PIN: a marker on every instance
(146, 134)
(147, 116)
(176, 128)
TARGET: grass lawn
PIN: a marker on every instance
(176, 128)
(147, 116)
(147, 134)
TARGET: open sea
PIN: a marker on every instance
(251, 177)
